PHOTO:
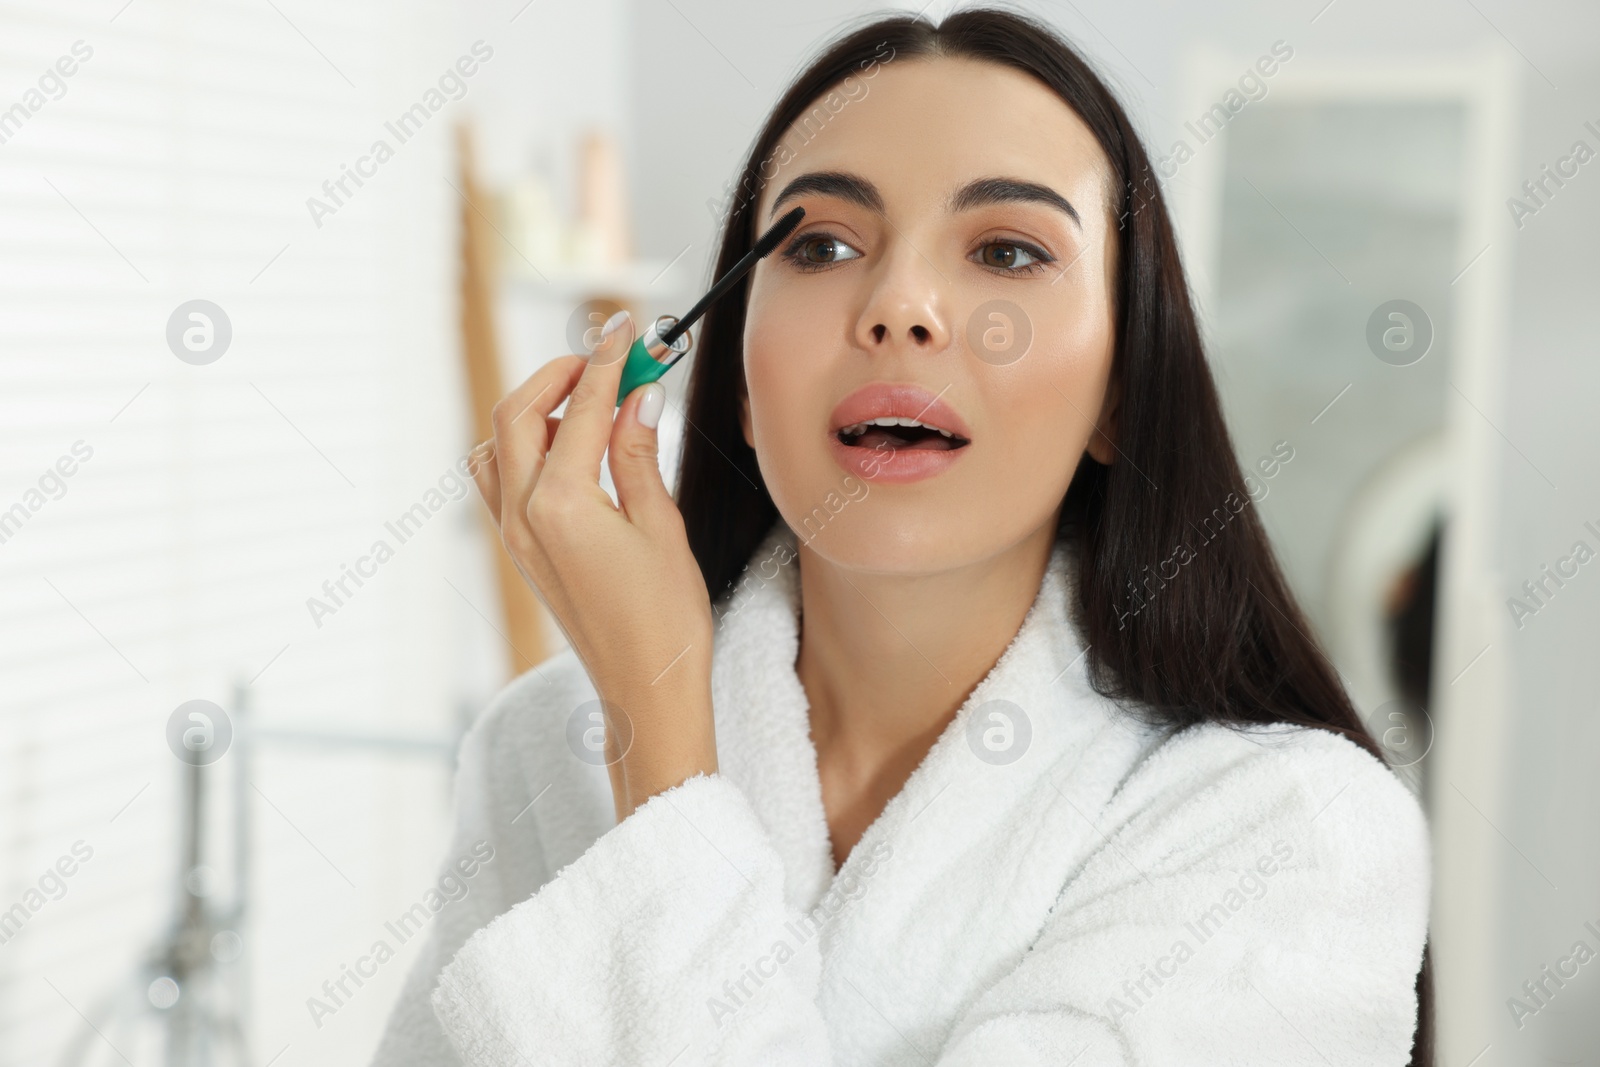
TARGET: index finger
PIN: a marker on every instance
(521, 423)
(586, 424)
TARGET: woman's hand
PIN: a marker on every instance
(621, 583)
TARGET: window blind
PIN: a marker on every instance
(164, 520)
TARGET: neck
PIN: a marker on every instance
(887, 660)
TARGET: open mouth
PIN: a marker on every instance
(895, 432)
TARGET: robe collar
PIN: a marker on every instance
(1033, 711)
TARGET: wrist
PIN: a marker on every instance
(666, 735)
(640, 785)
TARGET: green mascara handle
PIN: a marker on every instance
(648, 358)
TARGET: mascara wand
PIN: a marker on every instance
(665, 341)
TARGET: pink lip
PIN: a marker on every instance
(905, 401)
(895, 466)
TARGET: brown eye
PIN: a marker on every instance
(1004, 255)
(814, 251)
(823, 249)
(826, 249)
(999, 255)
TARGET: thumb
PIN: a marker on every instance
(634, 451)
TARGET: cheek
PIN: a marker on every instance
(1050, 402)
(774, 370)
(797, 330)
(1038, 437)
(788, 374)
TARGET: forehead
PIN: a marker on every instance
(919, 128)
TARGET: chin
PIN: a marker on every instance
(857, 525)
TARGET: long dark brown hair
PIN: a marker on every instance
(1221, 640)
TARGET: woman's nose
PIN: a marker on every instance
(906, 309)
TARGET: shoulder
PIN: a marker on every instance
(1234, 865)
(1279, 770)
(1220, 793)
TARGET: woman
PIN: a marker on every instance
(957, 710)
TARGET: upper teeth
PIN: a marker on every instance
(889, 420)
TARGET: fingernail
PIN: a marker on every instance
(614, 323)
(652, 402)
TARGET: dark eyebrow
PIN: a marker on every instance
(977, 193)
(845, 186)
(1010, 190)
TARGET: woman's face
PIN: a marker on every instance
(939, 275)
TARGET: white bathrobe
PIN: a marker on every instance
(1055, 884)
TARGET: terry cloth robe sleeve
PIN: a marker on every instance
(615, 960)
(412, 1035)
(658, 944)
(489, 787)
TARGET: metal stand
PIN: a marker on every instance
(189, 992)
(180, 992)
